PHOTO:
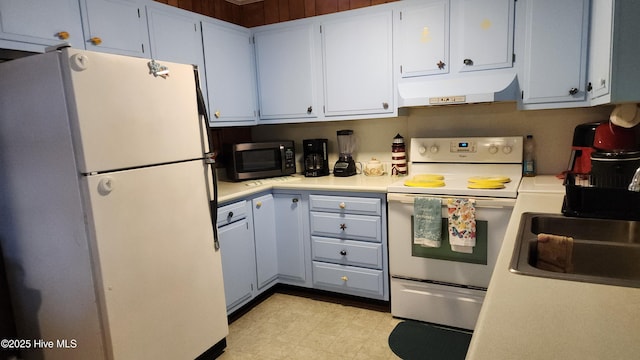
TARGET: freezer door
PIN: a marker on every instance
(123, 116)
(159, 278)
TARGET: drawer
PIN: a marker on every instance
(346, 226)
(232, 213)
(358, 227)
(345, 204)
(347, 252)
(348, 279)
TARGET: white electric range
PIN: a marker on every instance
(438, 284)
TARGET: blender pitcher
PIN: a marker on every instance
(345, 166)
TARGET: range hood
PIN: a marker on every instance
(466, 88)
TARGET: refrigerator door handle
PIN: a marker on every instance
(209, 158)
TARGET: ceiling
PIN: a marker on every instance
(242, 2)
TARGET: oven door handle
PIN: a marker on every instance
(480, 202)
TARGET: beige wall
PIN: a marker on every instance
(552, 129)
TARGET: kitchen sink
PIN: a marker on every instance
(604, 251)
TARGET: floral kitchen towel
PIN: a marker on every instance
(462, 224)
(427, 221)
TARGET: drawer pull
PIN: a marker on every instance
(259, 204)
(343, 252)
(344, 278)
(230, 215)
(342, 205)
(343, 227)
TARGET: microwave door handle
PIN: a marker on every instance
(282, 160)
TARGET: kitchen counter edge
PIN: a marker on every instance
(525, 317)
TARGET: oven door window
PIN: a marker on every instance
(258, 160)
(444, 252)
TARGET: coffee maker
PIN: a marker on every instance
(316, 161)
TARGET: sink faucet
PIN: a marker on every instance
(635, 181)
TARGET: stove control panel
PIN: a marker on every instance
(469, 150)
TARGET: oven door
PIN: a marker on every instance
(440, 265)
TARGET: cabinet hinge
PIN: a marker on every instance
(195, 27)
(522, 94)
(142, 47)
(513, 57)
(400, 15)
(138, 13)
(400, 69)
(252, 40)
(320, 29)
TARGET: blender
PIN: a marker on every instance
(345, 166)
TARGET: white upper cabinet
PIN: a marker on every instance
(174, 35)
(614, 51)
(358, 64)
(287, 72)
(115, 26)
(229, 64)
(555, 49)
(486, 34)
(41, 22)
(439, 37)
(423, 38)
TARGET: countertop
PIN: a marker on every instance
(229, 191)
(525, 317)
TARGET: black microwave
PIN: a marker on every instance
(256, 160)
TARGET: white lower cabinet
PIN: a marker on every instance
(290, 229)
(333, 241)
(238, 255)
(264, 220)
(349, 244)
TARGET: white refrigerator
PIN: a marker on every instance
(105, 221)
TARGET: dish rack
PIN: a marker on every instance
(583, 199)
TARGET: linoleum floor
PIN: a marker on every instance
(286, 326)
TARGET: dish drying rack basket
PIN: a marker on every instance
(583, 199)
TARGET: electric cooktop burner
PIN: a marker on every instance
(474, 166)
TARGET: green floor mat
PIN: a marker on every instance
(415, 340)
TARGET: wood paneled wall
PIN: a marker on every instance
(268, 11)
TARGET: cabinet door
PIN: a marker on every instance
(238, 262)
(600, 47)
(358, 68)
(486, 29)
(264, 229)
(555, 51)
(290, 238)
(174, 35)
(286, 68)
(42, 22)
(423, 39)
(115, 26)
(228, 56)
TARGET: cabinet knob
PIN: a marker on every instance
(343, 252)
(230, 215)
(467, 62)
(259, 204)
(343, 226)
(342, 205)
(309, 109)
(385, 105)
(96, 40)
(294, 200)
(217, 114)
(573, 91)
(440, 65)
(344, 278)
(62, 35)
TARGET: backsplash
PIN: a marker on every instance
(552, 130)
